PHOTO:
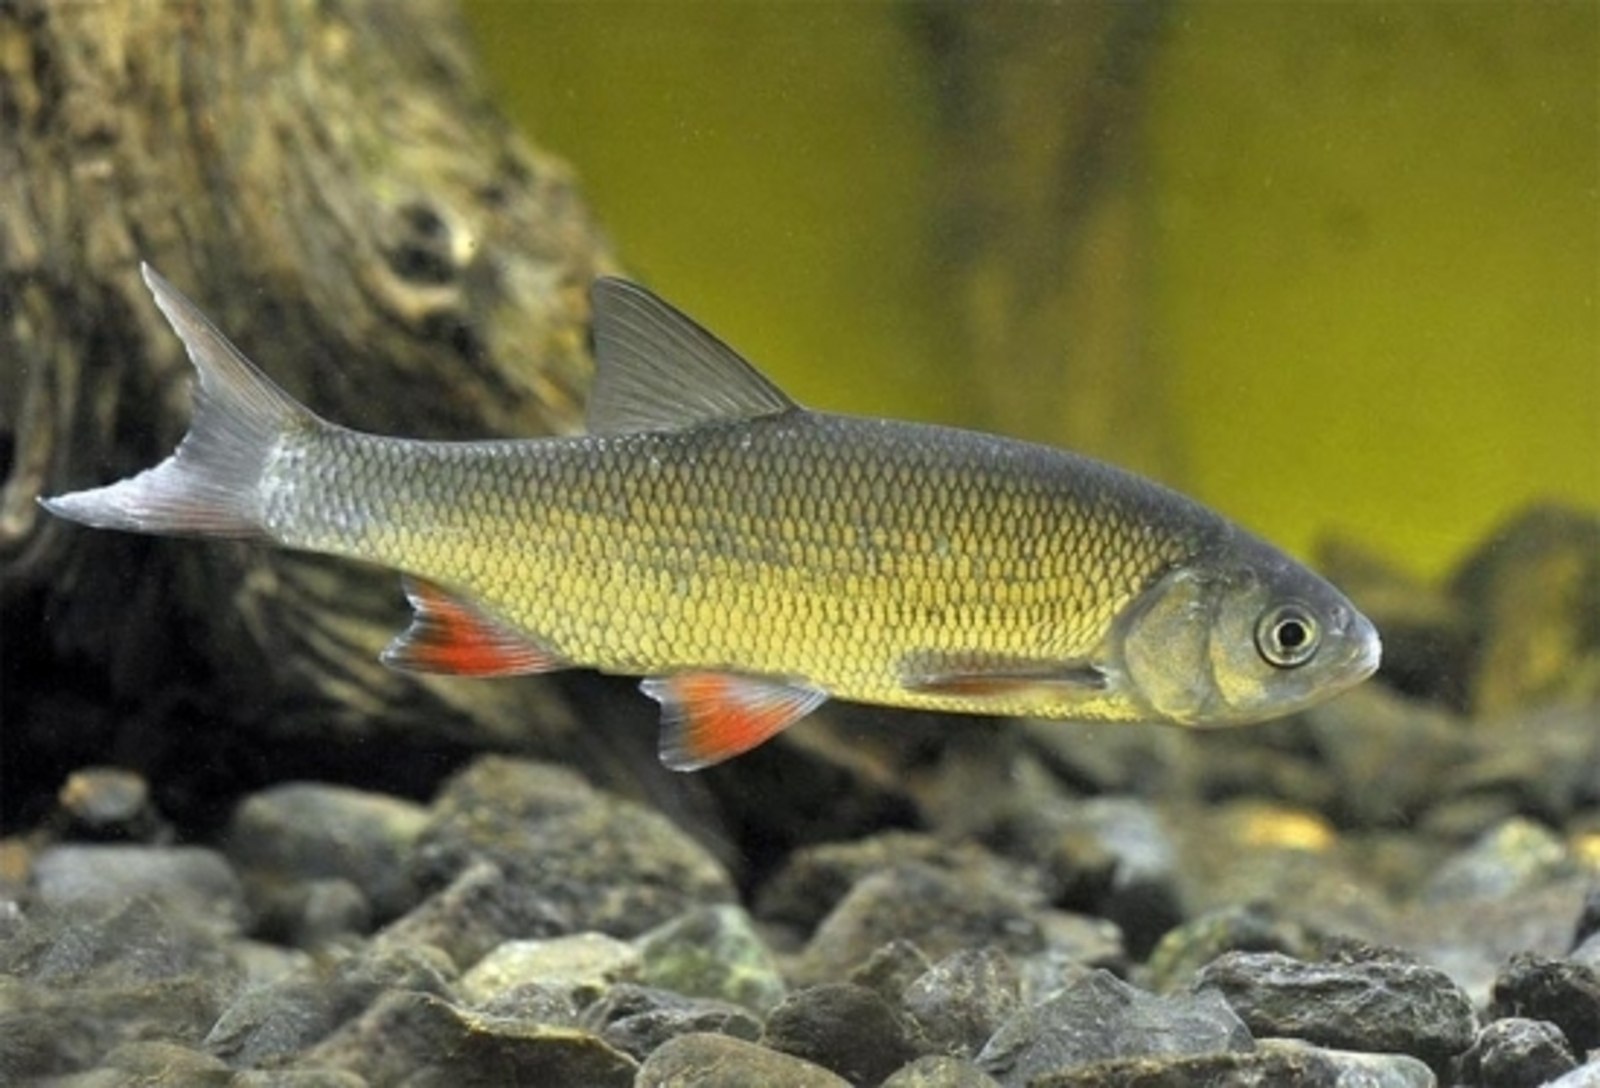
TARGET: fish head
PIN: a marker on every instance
(1242, 634)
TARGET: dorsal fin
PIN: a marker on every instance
(656, 369)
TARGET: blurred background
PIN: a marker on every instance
(1331, 267)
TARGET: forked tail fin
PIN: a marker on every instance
(211, 485)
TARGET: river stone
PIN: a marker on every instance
(478, 911)
(583, 964)
(940, 1071)
(1249, 928)
(718, 1061)
(638, 1019)
(843, 1027)
(1566, 994)
(416, 1038)
(890, 968)
(607, 864)
(963, 999)
(189, 880)
(1370, 1000)
(305, 831)
(713, 952)
(1517, 1053)
(1275, 1063)
(1101, 1018)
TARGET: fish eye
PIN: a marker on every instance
(1287, 635)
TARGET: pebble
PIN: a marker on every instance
(307, 831)
(1254, 927)
(1515, 855)
(713, 952)
(963, 999)
(1517, 1053)
(1275, 1063)
(1564, 993)
(638, 1019)
(478, 911)
(843, 1027)
(940, 1071)
(1370, 1000)
(719, 1061)
(1100, 1019)
(584, 965)
(607, 864)
(890, 968)
(407, 1037)
(110, 803)
(193, 881)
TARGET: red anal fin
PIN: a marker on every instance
(707, 717)
(450, 635)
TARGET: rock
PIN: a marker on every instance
(165, 1063)
(1252, 928)
(717, 1061)
(1107, 856)
(890, 968)
(946, 911)
(189, 880)
(607, 864)
(72, 989)
(421, 1039)
(1518, 854)
(816, 878)
(536, 1003)
(962, 1000)
(109, 803)
(281, 1019)
(1531, 593)
(638, 1019)
(1100, 1019)
(584, 965)
(307, 831)
(1517, 1053)
(312, 913)
(842, 1027)
(940, 1071)
(1275, 1063)
(713, 952)
(1542, 762)
(1586, 1075)
(296, 1078)
(1564, 993)
(1367, 1000)
(477, 912)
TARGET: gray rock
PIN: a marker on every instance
(305, 831)
(940, 1071)
(190, 880)
(718, 1061)
(890, 968)
(945, 911)
(419, 1039)
(959, 1003)
(713, 952)
(1252, 928)
(479, 910)
(312, 913)
(1531, 593)
(609, 865)
(74, 988)
(296, 1078)
(1566, 994)
(1387, 1002)
(1100, 1019)
(584, 965)
(1514, 856)
(1275, 1063)
(283, 1018)
(638, 1019)
(843, 1027)
(1517, 1053)
(535, 1002)
(1586, 1075)
(816, 878)
(1544, 762)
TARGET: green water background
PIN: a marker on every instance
(1369, 233)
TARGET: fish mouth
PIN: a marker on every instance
(1366, 652)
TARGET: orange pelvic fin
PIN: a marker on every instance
(707, 717)
(450, 635)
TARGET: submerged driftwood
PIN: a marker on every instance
(329, 182)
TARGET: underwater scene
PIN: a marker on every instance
(800, 544)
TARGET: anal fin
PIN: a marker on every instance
(707, 717)
(450, 635)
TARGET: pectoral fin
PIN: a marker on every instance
(976, 677)
(707, 717)
(450, 635)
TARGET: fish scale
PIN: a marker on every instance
(751, 558)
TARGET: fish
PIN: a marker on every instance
(751, 559)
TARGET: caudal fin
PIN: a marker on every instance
(211, 485)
